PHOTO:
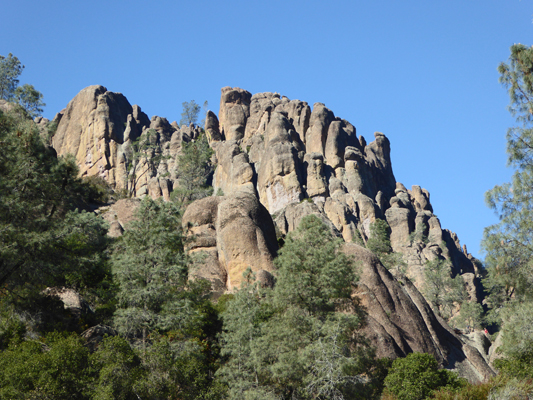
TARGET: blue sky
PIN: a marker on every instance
(422, 72)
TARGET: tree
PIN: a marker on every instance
(26, 96)
(150, 267)
(379, 243)
(416, 376)
(299, 340)
(509, 244)
(44, 240)
(379, 240)
(10, 70)
(118, 369)
(55, 368)
(194, 169)
(190, 113)
(30, 99)
(442, 291)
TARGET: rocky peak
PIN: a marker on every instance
(277, 161)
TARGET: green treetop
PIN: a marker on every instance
(509, 244)
(300, 339)
(150, 267)
(26, 95)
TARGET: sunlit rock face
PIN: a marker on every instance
(102, 130)
(279, 150)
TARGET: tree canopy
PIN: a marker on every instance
(44, 239)
(300, 339)
(509, 243)
(26, 95)
(190, 112)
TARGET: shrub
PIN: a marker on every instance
(416, 376)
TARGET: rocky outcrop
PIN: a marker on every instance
(232, 234)
(282, 151)
(400, 321)
(280, 157)
(115, 140)
(119, 215)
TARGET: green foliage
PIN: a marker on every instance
(26, 95)
(43, 241)
(510, 388)
(150, 268)
(194, 168)
(416, 376)
(10, 70)
(379, 244)
(478, 391)
(379, 240)
(56, 368)
(30, 99)
(98, 189)
(300, 339)
(419, 234)
(190, 113)
(118, 369)
(442, 291)
(357, 238)
(517, 340)
(470, 316)
(509, 244)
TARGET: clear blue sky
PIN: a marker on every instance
(422, 72)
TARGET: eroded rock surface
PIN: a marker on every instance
(233, 233)
(400, 321)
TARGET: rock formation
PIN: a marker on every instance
(110, 138)
(277, 161)
(233, 233)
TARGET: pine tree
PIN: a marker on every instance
(442, 291)
(190, 112)
(194, 168)
(44, 240)
(26, 95)
(150, 267)
(509, 244)
(300, 339)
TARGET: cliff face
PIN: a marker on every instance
(102, 130)
(277, 161)
(284, 152)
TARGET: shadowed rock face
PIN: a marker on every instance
(281, 158)
(400, 321)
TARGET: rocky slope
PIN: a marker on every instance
(277, 161)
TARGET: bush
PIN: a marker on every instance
(467, 392)
(416, 376)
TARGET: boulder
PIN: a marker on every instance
(236, 233)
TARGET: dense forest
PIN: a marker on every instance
(143, 329)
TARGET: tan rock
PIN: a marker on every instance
(315, 136)
(91, 127)
(234, 111)
(278, 178)
(236, 232)
(316, 180)
(400, 321)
